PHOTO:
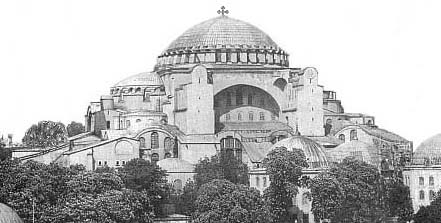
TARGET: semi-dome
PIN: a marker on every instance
(223, 40)
(357, 149)
(176, 165)
(141, 79)
(429, 151)
(314, 154)
(7, 215)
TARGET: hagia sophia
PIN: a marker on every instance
(225, 86)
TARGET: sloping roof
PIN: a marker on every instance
(257, 151)
(383, 134)
(326, 140)
(358, 149)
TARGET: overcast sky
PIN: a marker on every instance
(381, 57)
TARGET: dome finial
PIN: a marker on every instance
(222, 11)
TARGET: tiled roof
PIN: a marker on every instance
(383, 134)
(222, 30)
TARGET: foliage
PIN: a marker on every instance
(222, 201)
(431, 213)
(5, 153)
(58, 194)
(45, 134)
(285, 172)
(142, 175)
(75, 128)
(397, 199)
(221, 166)
(348, 192)
(185, 202)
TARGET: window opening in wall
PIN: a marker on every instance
(108, 124)
(155, 158)
(431, 181)
(138, 120)
(105, 163)
(251, 116)
(117, 163)
(127, 123)
(262, 116)
(228, 56)
(99, 163)
(257, 181)
(264, 181)
(421, 181)
(431, 195)
(341, 137)
(154, 140)
(239, 116)
(250, 99)
(227, 117)
(123, 162)
(142, 142)
(353, 135)
(421, 195)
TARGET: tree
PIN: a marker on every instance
(185, 202)
(224, 202)
(142, 175)
(75, 128)
(221, 166)
(285, 172)
(397, 199)
(349, 192)
(45, 134)
(431, 213)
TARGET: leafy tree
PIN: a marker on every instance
(285, 172)
(397, 199)
(431, 213)
(349, 192)
(221, 166)
(185, 202)
(224, 202)
(75, 128)
(142, 175)
(45, 134)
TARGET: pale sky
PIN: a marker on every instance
(381, 57)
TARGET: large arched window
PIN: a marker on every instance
(353, 135)
(142, 142)
(421, 195)
(154, 140)
(231, 147)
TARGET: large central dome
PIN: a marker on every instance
(223, 40)
(223, 30)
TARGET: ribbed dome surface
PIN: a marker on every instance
(7, 215)
(175, 165)
(313, 151)
(357, 149)
(222, 30)
(429, 152)
(141, 79)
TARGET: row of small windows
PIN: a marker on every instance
(117, 163)
(258, 181)
(352, 136)
(250, 116)
(432, 195)
(431, 181)
(239, 99)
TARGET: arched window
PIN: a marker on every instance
(257, 181)
(250, 116)
(229, 99)
(273, 117)
(227, 117)
(231, 147)
(353, 135)
(431, 181)
(262, 102)
(138, 120)
(431, 195)
(155, 157)
(250, 99)
(158, 107)
(239, 98)
(262, 116)
(127, 123)
(421, 181)
(177, 185)
(167, 155)
(138, 90)
(168, 144)
(142, 142)
(146, 95)
(239, 116)
(264, 182)
(154, 140)
(341, 137)
(421, 195)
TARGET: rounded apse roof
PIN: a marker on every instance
(141, 79)
(222, 30)
(7, 215)
(176, 165)
(315, 156)
(357, 149)
(428, 151)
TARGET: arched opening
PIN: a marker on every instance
(353, 135)
(231, 147)
(280, 83)
(154, 140)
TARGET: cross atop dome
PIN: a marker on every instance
(222, 11)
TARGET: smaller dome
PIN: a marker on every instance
(429, 151)
(315, 156)
(173, 165)
(357, 149)
(7, 215)
(141, 79)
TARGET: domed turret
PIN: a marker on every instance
(7, 215)
(315, 156)
(223, 40)
(428, 152)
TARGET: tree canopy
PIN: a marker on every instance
(285, 172)
(75, 128)
(225, 202)
(45, 134)
(430, 213)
